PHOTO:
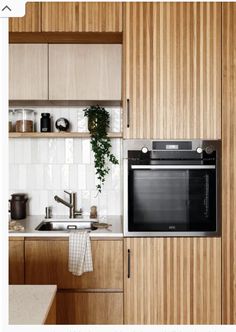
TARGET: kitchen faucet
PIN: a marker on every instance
(71, 204)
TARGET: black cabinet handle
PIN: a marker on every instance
(128, 112)
(128, 263)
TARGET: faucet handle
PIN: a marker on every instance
(67, 192)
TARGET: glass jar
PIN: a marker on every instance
(11, 121)
(24, 120)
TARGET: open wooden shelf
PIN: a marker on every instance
(59, 135)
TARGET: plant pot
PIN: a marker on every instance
(92, 125)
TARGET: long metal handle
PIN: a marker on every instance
(128, 112)
(173, 166)
(128, 263)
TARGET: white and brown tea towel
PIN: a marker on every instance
(80, 253)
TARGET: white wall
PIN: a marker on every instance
(44, 167)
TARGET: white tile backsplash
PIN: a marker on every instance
(54, 165)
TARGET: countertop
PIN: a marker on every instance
(31, 222)
(30, 304)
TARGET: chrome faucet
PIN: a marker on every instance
(71, 204)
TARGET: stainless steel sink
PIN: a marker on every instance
(66, 225)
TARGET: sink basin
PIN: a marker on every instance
(66, 225)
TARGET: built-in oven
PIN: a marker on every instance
(171, 188)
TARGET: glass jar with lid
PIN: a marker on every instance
(11, 121)
(24, 120)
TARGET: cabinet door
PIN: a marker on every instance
(46, 262)
(85, 72)
(172, 70)
(31, 22)
(82, 17)
(173, 281)
(89, 308)
(228, 164)
(16, 261)
(28, 71)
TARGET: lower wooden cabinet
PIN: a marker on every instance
(172, 281)
(46, 262)
(89, 308)
(16, 260)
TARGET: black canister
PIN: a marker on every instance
(45, 123)
(18, 206)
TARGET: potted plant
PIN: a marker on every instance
(98, 125)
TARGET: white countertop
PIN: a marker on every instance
(31, 222)
(30, 304)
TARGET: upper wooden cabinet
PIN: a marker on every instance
(172, 281)
(31, 22)
(46, 262)
(82, 17)
(28, 71)
(172, 70)
(16, 261)
(85, 72)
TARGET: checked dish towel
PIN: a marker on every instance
(80, 253)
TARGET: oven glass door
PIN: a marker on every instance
(172, 199)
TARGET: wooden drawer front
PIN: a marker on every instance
(16, 261)
(89, 308)
(46, 262)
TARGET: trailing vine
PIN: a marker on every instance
(98, 125)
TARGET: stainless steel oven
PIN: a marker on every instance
(171, 188)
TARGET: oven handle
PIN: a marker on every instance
(173, 166)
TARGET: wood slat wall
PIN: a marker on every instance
(173, 281)
(31, 22)
(82, 17)
(172, 70)
(229, 164)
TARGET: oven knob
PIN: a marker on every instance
(144, 149)
(199, 150)
(209, 149)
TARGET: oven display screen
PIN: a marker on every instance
(172, 147)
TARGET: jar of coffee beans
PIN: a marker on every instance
(24, 120)
(11, 121)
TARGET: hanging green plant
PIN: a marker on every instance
(98, 126)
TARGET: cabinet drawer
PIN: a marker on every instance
(46, 262)
(89, 308)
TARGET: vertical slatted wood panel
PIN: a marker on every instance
(172, 70)
(82, 17)
(31, 22)
(16, 261)
(173, 281)
(229, 164)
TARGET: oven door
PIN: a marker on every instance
(172, 198)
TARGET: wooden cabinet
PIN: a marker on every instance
(81, 17)
(85, 72)
(28, 71)
(172, 70)
(16, 260)
(228, 163)
(31, 22)
(50, 257)
(172, 281)
(93, 298)
(90, 308)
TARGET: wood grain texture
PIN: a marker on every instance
(59, 135)
(229, 164)
(85, 72)
(16, 261)
(172, 70)
(173, 281)
(82, 17)
(28, 71)
(90, 308)
(31, 22)
(51, 259)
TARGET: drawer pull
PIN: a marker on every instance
(128, 263)
(128, 113)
